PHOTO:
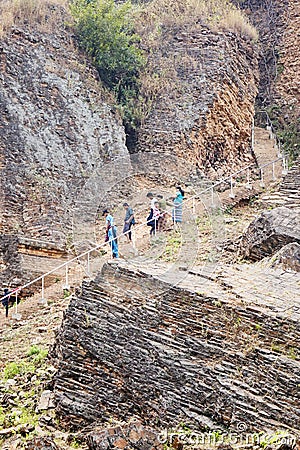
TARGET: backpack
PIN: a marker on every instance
(150, 222)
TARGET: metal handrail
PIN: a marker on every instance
(102, 245)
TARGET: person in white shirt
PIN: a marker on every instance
(153, 200)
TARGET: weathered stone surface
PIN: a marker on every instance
(278, 24)
(289, 189)
(42, 443)
(204, 112)
(57, 129)
(288, 193)
(288, 257)
(131, 345)
(46, 400)
(124, 436)
(271, 231)
(270, 20)
(10, 259)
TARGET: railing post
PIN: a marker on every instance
(279, 154)
(262, 184)
(88, 263)
(271, 133)
(42, 300)
(285, 165)
(133, 237)
(16, 315)
(273, 171)
(248, 184)
(67, 287)
(231, 195)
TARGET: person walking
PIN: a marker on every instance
(5, 301)
(152, 199)
(153, 218)
(128, 221)
(177, 203)
(111, 233)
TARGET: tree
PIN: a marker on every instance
(106, 33)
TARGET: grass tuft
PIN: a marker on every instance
(220, 15)
(43, 14)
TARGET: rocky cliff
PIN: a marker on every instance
(203, 114)
(279, 88)
(133, 345)
(56, 126)
(62, 143)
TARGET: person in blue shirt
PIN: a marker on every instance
(111, 233)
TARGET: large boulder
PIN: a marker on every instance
(271, 231)
(288, 257)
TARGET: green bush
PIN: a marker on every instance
(106, 32)
(33, 350)
(2, 416)
(287, 129)
(20, 368)
(39, 354)
(39, 358)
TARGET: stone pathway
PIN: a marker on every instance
(265, 147)
(288, 193)
(275, 290)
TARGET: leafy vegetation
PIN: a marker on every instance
(173, 246)
(13, 369)
(113, 34)
(289, 135)
(288, 132)
(39, 354)
(23, 411)
(106, 32)
(35, 356)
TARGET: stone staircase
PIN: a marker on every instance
(289, 189)
(288, 193)
(265, 147)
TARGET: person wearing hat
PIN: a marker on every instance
(5, 301)
(111, 233)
